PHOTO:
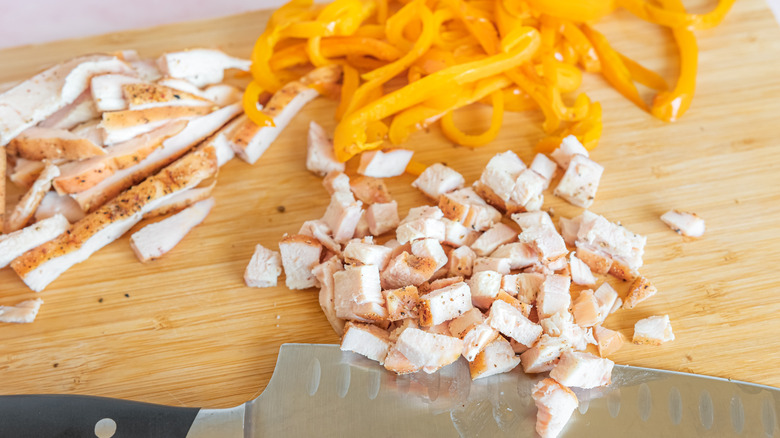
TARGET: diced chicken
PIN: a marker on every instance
(324, 272)
(533, 219)
(401, 303)
(569, 148)
(336, 182)
(153, 241)
(25, 172)
(512, 323)
(502, 266)
(358, 295)
(120, 126)
(342, 215)
(44, 264)
(580, 181)
(423, 212)
(22, 313)
(494, 237)
(524, 308)
(398, 363)
(52, 144)
(25, 208)
(319, 230)
(618, 304)
(79, 111)
(407, 269)
(541, 357)
(653, 330)
(553, 295)
(582, 370)
(15, 244)
(580, 272)
(469, 209)
(250, 141)
(200, 66)
(320, 158)
(424, 228)
(107, 91)
(382, 217)
(546, 242)
(484, 287)
(430, 248)
(603, 238)
(357, 252)
(444, 304)
(640, 290)
(561, 325)
(370, 190)
(569, 229)
(495, 358)
(439, 329)
(361, 229)
(44, 94)
(366, 339)
(455, 234)
(517, 347)
(461, 261)
(196, 131)
(141, 96)
(545, 167)
(498, 179)
(438, 179)
(428, 351)
(597, 263)
(53, 204)
(523, 286)
(687, 224)
(520, 254)
(460, 326)
(384, 164)
(439, 284)
(606, 297)
(608, 341)
(528, 190)
(300, 253)
(264, 268)
(586, 309)
(555, 404)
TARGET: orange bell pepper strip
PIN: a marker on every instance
(671, 105)
(567, 53)
(250, 103)
(314, 52)
(536, 92)
(582, 45)
(459, 137)
(574, 10)
(350, 83)
(478, 24)
(669, 17)
(643, 75)
(515, 100)
(335, 47)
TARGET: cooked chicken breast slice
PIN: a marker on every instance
(461, 261)
(342, 216)
(106, 91)
(640, 290)
(140, 96)
(222, 94)
(53, 204)
(495, 264)
(580, 182)
(155, 240)
(402, 303)
(428, 351)
(182, 199)
(201, 67)
(407, 269)
(533, 219)
(15, 244)
(53, 144)
(492, 238)
(687, 224)
(608, 341)
(438, 179)
(545, 167)
(444, 304)
(384, 164)
(477, 339)
(123, 125)
(300, 254)
(653, 330)
(496, 358)
(357, 252)
(553, 295)
(512, 323)
(320, 158)
(456, 235)
(24, 312)
(466, 207)
(370, 190)
(498, 179)
(81, 110)
(520, 254)
(25, 172)
(580, 272)
(555, 404)
(25, 208)
(541, 357)
(582, 370)
(358, 294)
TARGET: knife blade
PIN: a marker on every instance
(318, 390)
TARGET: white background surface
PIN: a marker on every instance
(38, 21)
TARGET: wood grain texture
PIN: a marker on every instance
(185, 331)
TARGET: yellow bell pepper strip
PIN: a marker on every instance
(574, 10)
(612, 67)
(335, 47)
(536, 92)
(350, 134)
(515, 100)
(250, 103)
(643, 75)
(415, 168)
(670, 106)
(588, 132)
(350, 83)
(582, 45)
(411, 120)
(505, 21)
(478, 24)
(375, 31)
(376, 131)
(567, 53)
(665, 16)
(381, 11)
(315, 55)
(364, 62)
(459, 137)
(394, 28)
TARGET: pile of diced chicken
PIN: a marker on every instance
(101, 142)
(455, 280)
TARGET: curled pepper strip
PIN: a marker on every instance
(335, 47)
(644, 76)
(250, 103)
(582, 45)
(666, 16)
(350, 83)
(574, 10)
(588, 132)
(670, 106)
(459, 137)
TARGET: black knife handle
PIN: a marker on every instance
(77, 416)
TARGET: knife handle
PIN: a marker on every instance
(45, 416)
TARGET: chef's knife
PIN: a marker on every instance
(320, 391)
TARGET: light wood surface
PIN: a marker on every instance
(185, 330)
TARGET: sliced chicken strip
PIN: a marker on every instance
(24, 312)
(201, 67)
(53, 144)
(26, 207)
(54, 203)
(17, 243)
(82, 109)
(320, 158)
(25, 172)
(182, 199)
(107, 92)
(123, 125)
(141, 96)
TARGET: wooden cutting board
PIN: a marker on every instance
(185, 331)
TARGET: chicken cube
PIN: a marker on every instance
(398, 363)
(687, 224)
(455, 234)
(358, 295)
(586, 309)
(382, 217)
(430, 248)
(420, 229)
(342, 215)
(327, 296)
(582, 370)
(461, 261)
(428, 351)
(580, 272)
(524, 308)
(484, 287)
(319, 230)
(553, 295)
(580, 181)
(597, 263)
(524, 286)
(502, 266)
(608, 341)
(498, 179)
(439, 284)
(336, 181)
(569, 148)
(367, 340)
(469, 209)
(320, 158)
(494, 237)
(438, 179)
(520, 254)
(607, 239)
(528, 187)
(640, 290)
(555, 404)
(407, 269)
(384, 164)
(541, 357)
(370, 190)
(444, 304)
(569, 229)
(401, 303)
(495, 358)
(358, 252)
(264, 268)
(460, 326)
(606, 297)
(654, 330)
(299, 255)
(22, 313)
(545, 167)
(533, 219)
(361, 229)
(546, 242)
(511, 322)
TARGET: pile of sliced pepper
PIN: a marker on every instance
(409, 63)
